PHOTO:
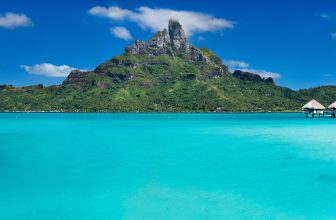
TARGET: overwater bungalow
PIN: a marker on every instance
(313, 107)
(332, 109)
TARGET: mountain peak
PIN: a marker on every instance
(178, 39)
(166, 51)
(171, 42)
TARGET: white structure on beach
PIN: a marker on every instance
(313, 107)
(332, 109)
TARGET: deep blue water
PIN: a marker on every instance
(167, 166)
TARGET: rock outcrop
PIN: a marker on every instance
(171, 42)
(178, 38)
(157, 45)
(76, 77)
(251, 77)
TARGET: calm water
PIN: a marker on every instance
(167, 166)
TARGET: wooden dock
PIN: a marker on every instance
(323, 114)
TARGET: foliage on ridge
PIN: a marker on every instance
(164, 74)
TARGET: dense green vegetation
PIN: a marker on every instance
(168, 85)
(152, 78)
(324, 94)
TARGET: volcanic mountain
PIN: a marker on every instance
(164, 74)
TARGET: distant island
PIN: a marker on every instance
(164, 74)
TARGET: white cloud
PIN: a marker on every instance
(156, 19)
(11, 20)
(333, 36)
(115, 13)
(236, 64)
(49, 70)
(244, 66)
(121, 32)
(263, 73)
(325, 16)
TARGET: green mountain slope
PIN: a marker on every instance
(325, 94)
(166, 73)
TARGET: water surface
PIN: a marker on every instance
(167, 166)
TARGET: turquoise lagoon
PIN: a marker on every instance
(167, 166)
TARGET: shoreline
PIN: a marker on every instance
(47, 112)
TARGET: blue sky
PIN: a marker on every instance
(295, 41)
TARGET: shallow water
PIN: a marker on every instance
(167, 166)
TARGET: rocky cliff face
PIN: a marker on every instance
(171, 43)
(178, 39)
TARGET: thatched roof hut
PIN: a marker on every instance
(332, 106)
(313, 105)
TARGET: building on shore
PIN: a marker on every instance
(314, 108)
(332, 109)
